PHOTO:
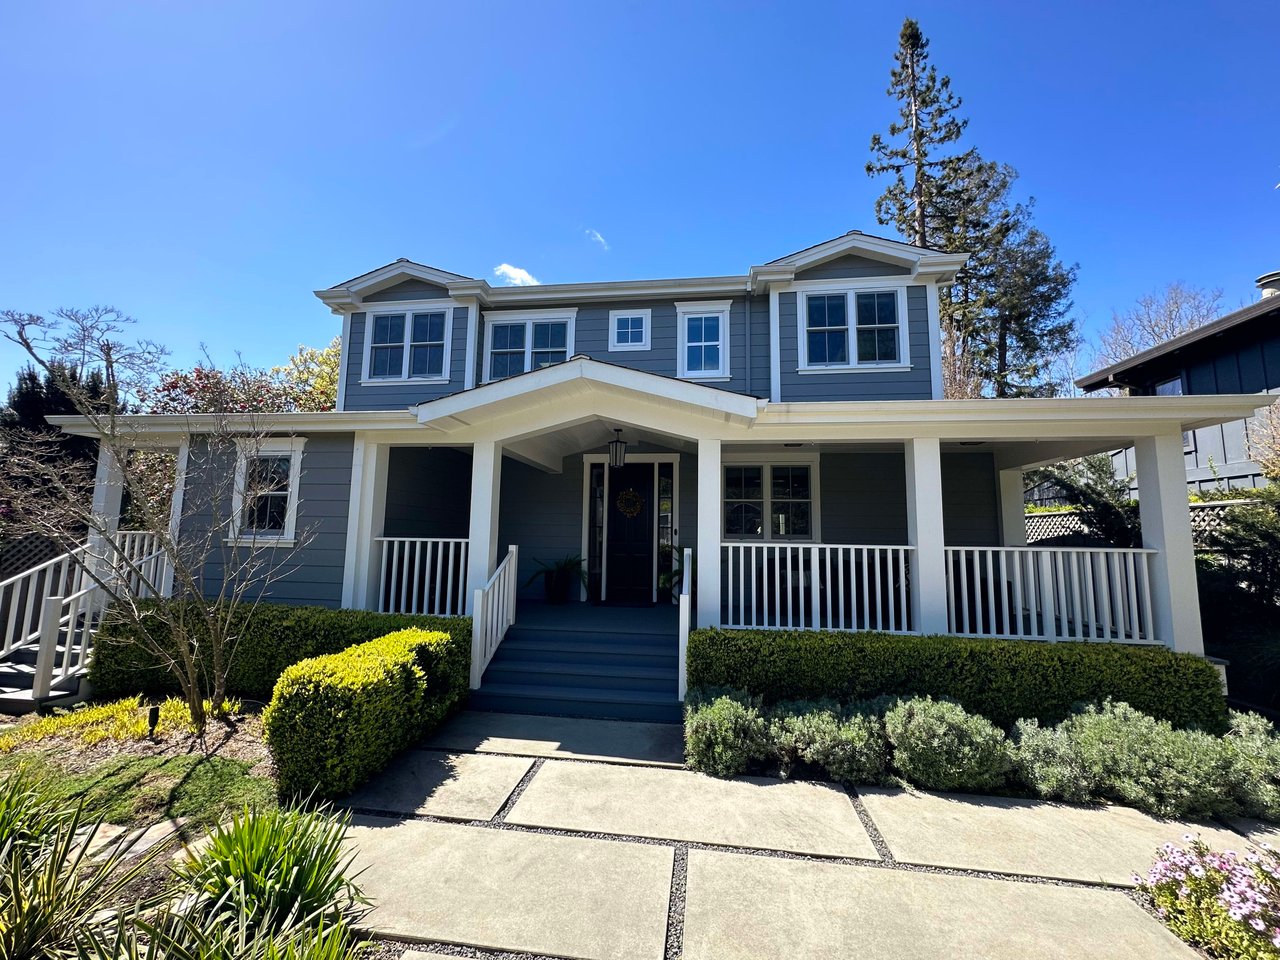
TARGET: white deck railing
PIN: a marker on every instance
(493, 612)
(1050, 593)
(423, 575)
(22, 597)
(685, 603)
(816, 586)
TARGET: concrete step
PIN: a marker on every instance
(619, 676)
(569, 701)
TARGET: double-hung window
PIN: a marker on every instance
(629, 329)
(769, 501)
(265, 498)
(517, 343)
(704, 340)
(410, 343)
(845, 330)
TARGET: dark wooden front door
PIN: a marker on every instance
(629, 554)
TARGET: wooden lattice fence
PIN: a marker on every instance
(1064, 528)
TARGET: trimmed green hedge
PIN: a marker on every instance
(335, 721)
(277, 636)
(1003, 680)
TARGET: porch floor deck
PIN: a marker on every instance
(660, 618)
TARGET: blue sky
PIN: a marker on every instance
(205, 166)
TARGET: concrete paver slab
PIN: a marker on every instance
(453, 786)
(744, 906)
(508, 890)
(812, 818)
(619, 741)
(1005, 835)
(1258, 831)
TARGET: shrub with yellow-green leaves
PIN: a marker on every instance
(335, 721)
(119, 720)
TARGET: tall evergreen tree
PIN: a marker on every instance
(1004, 319)
(929, 121)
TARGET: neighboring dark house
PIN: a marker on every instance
(1237, 353)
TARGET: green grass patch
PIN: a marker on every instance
(138, 790)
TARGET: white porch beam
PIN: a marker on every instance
(486, 487)
(924, 532)
(708, 552)
(1013, 510)
(1166, 528)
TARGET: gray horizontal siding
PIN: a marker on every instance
(310, 574)
(428, 492)
(404, 393)
(913, 384)
(409, 290)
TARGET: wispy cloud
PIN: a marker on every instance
(594, 235)
(514, 276)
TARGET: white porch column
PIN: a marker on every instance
(1166, 528)
(108, 495)
(707, 558)
(486, 485)
(924, 532)
(363, 558)
(1013, 511)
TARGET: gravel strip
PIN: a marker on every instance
(675, 906)
(877, 839)
(501, 815)
(397, 948)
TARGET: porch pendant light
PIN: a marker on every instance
(617, 450)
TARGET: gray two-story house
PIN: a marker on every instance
(769, 449)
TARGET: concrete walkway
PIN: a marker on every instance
(533, 849)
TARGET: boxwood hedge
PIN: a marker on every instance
(271, 638)
(335, 721)
(1003, 680)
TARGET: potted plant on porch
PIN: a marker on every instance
(559, 577)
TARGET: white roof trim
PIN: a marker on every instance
(349, 294)
(471, 405)
(919, 259)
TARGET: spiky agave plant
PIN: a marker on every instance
(281, 868)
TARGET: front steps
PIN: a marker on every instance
(583, 671)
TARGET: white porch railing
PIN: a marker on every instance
(423, 575)
(685, 604)
(1042, 593)
(816, 586)
(492, 612)
(22, 597)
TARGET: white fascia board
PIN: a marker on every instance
(618, 290)
(590, 372)
(278, 423)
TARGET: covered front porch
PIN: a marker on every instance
(901, 516)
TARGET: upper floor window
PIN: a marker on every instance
(520, 342)
(704, 340)
(265, 498)
(629, 329)
(408, 343)
(874, 338)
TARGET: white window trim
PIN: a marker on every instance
(850, 288)
(266, 448)
(408, 308)
(767, 463)
(645, 314)
(703, 308)
(491, 317)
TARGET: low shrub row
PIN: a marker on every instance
(1003, 680)
(271, 638)
(335, 721)
(1101, 752)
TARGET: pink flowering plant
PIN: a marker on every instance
(1226, 903)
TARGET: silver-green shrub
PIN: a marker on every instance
(724, 736)
(937, 745)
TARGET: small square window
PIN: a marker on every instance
(629, 329)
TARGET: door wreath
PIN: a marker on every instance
(629, 503)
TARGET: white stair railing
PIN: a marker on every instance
(820, 586)
(22, 597)
(423, 575)
(1051, 593)
(493, 612)
(685, 601)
